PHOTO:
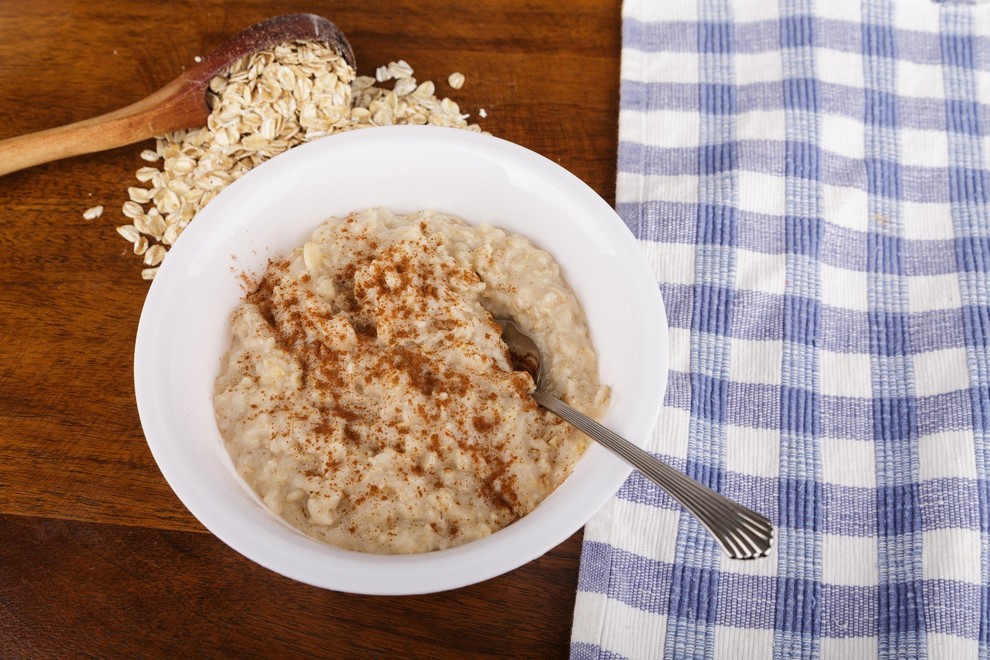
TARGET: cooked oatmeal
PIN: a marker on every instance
(367, 396)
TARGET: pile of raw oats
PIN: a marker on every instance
(268, 102)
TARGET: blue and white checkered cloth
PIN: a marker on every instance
(810, 181)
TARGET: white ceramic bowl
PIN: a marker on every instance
(184, 330)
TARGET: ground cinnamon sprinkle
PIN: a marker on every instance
(397, 400)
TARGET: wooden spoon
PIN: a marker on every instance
(178, 105)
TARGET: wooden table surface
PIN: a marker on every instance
(97, 555)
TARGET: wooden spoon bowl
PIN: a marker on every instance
(178, 105)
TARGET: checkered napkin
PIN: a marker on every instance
(809, 181)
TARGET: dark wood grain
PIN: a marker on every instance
(86, 588)
(98, 556)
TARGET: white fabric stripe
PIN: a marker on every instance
(950, 647)
(672, 129)
(635, 187)
(618, 621)
(735, 643)
(638, 528)
(661, 11)
(847, 648)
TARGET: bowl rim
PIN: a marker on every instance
(195, 498)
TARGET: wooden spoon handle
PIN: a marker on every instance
(180, 104)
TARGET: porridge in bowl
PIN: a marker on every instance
(368, 399)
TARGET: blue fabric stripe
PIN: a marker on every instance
(916, 183)
(764, 36)
(797, 624)
(971, 219)
(847, 611)
(757, 405)
(845, 510)
(841, 247)
(585, 651)
(760, 316)
(842, 100)
(895, 420)
(695, 578)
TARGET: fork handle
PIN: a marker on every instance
(740, 532)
